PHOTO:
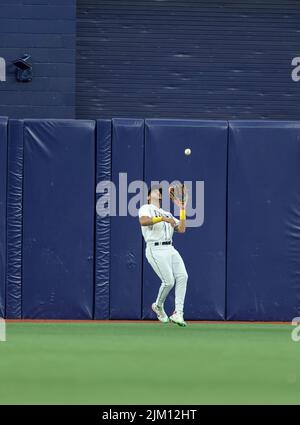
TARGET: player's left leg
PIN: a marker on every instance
(181, 278)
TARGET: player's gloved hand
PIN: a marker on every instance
(170, 220)
(179, 195)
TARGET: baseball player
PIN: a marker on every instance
(157, 228)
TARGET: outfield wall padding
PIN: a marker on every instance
(14, 220)
(126, 241)
(203, 247)
(102, 239)
(60, 259)
(3, 182)
(58, 219)
(263, 276)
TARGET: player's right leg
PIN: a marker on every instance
(160, 313)
(160, 259)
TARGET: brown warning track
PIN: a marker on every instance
(224, 322)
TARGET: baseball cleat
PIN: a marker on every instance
(160, 313)
(178, 319)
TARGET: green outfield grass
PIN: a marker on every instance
(145, 363)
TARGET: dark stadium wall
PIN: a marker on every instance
(204, 59)
(215, 59)
(46, 30)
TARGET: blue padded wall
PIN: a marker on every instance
(263, 280)
(3, 175)
(203, 248)
(60, 260)
(126, 242)
(102, 248)
(58, 220)
(14, 220)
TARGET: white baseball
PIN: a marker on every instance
(187, 151)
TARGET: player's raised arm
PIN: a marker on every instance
(179, 196)
(180, 228)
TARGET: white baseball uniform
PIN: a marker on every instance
(164, 259)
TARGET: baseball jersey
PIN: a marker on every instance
(159, 232)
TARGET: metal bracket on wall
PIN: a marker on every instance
(23, 69)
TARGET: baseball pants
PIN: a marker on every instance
(169, 266)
